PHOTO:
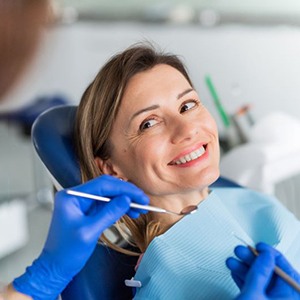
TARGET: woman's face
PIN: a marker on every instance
(163, 139)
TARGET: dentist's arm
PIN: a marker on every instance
(75, 228)
(255, 275)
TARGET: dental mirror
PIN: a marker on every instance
(185, 211)
(189, 210)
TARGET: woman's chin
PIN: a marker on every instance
(210, 177)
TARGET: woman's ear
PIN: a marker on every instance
(106, 167)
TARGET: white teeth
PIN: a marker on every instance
(181, 160)
(191, 156)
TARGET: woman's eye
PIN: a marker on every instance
(188, 105)
(148, 124)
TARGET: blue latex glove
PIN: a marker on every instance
(75, 228)
(255, 275)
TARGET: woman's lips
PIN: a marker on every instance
(193, 155)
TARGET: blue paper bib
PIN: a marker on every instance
(188, 261)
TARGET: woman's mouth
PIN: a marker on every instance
(190, 156)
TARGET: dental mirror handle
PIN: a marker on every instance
(105, 199)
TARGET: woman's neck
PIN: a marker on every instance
(175, 202)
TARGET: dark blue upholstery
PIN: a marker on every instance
(104, 274)
(102, 277)
(53, 141)
(224, 182)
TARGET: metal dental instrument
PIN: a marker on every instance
(185, 211)
(284, 276)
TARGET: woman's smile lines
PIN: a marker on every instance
(189, 157)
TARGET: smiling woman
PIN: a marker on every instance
(173, 126)
(141, 120)
(150, 118)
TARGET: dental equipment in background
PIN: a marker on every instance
(185, 211)
(224, 116)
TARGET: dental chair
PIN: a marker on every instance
(104, 274)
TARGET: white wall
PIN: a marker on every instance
(257, 65)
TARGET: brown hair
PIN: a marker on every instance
(20, 27)
(97, 111)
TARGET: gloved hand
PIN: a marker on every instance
(75, 228)
(255, 275)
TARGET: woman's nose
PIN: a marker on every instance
(183, 130)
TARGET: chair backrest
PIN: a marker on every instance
(104, 274)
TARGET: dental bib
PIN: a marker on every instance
(188, 261)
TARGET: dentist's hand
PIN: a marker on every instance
(255, 275)
(75, 228)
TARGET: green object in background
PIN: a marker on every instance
(217, 102)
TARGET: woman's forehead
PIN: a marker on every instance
(150, 84)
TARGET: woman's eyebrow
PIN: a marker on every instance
(152, 107)
(184, 93)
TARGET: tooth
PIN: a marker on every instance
(193, 155)
(201, 151)
(188, 157)
(182, 160)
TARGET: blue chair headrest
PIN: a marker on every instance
(52, 136)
